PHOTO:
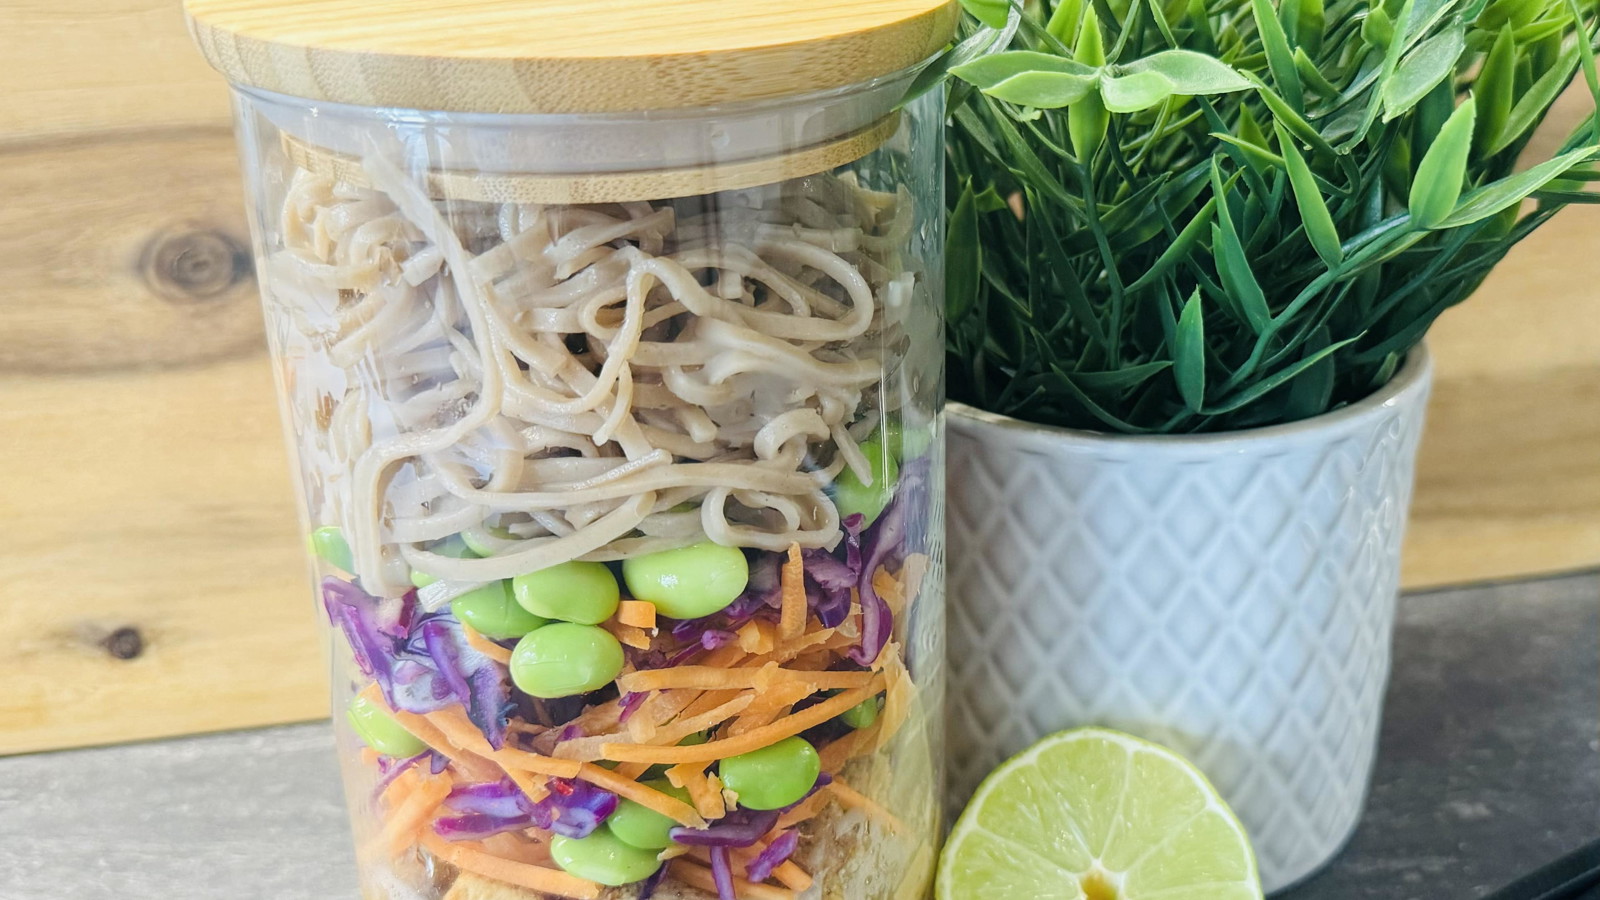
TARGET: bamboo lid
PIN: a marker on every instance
(563, 56)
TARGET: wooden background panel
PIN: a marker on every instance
(86, 65)
(146, 510)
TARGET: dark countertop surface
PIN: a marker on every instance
(1489, 767)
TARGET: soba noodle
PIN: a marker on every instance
(582, 382)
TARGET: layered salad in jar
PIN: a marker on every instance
(626, 530)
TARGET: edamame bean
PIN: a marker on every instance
(482, 548)
(851, 496)
(379, 730)
(563, 660)
(581, 592)
(689, 582)
(772, 777)
(453, 547)
(907, 441)
(642, 827)
(328, 543)
(604, 858)
(494, 613)
(863, 714)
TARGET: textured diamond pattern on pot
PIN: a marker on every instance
(1237, 608)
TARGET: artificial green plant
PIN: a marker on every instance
(1206, 215)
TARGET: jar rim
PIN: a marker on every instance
(495, 57)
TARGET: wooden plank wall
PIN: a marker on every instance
(151, 581)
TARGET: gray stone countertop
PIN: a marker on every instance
(1489, 767)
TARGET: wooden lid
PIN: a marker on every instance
(563, 56)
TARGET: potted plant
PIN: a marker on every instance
(1194, 249)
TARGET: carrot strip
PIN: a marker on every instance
(753, 740)
(472, 765)
(535, 790)
(488, 648)
(629, 635)
(772, 704)
(400, 830)
(453, 722)
(648, 797)
(846, 748)
(851, 798)
(631, 771)
(700, 877)
(706, 792)
(792, 581)
(707, 679)
(793, 877)
(808, 809)
(890, 589)
(757, 637)
(897, 700)
(706, 702)
(534, 878)
(638, 613)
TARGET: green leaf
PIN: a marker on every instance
(1063, 24)
(1280, 57)
(983, 41)
(1314, 213)
(1088, 120)
(1494, 90)
(1189, 354)
(1311, 76)
(1492, 199)
(1292, 120)
(992, 13)
(1431, 62)
(1132, 93)
(1437, 185)
(1272, 382)
(989, 71)
(963, 258)
(1377, 29)
(1191, 74)
(1258, 157)
(1232, 264)
(1533, 105)
(1310, 393)
(1120, 379)
(1180, 248)
(1043, 90)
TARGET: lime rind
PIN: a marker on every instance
(1097, 808)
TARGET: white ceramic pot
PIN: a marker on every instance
(1231, 596)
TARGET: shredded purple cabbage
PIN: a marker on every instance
(722, 874)
(573, 808)
(776, 854)
(390, 768)
(422, 663)
(631, 702)
(887, 541)
(739, 828)
(437, 762)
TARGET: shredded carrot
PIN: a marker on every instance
(453, 722)
(808, 641)
(682, 727)
(773, 703)
(911, 575)
(369, 756)
(699, 876)
(404, 821)
(788, 726)
(890, 591)
(807, 809)
(758, 637)
(535, 790)
(632, 771)
(488, 648)
(792, 622)
(648, 797)
(706, 792)
(638, 613)
(846, 748)
(793, 877)
(851, 798)
(706, 678)
(629, 635)
(470, 764)
(534, 878)
(897, 699)
(706, 702)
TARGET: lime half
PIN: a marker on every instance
(1097, 815)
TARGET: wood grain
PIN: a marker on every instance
(126, 251)
(564, 56)
(73, 66)
(154, 502)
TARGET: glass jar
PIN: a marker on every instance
(614, 402)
